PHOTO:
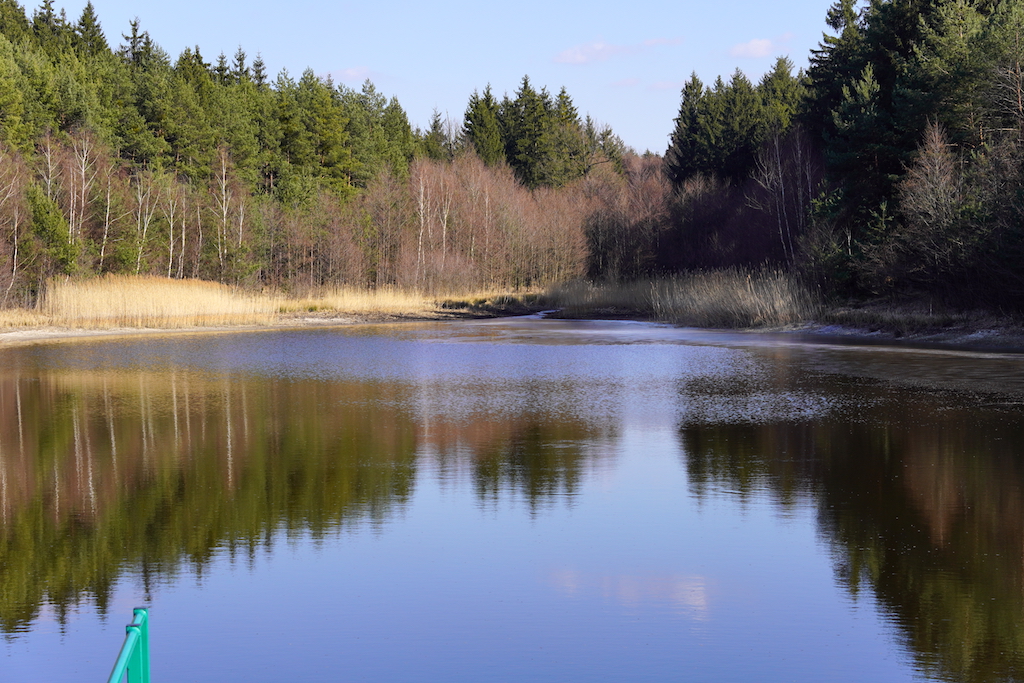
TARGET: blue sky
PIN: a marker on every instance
(623, 62)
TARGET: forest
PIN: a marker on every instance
(890, 167)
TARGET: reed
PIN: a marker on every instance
(118, 301)
(383, 301)
(723, 298)
(20, 318)
(146, 301)
(902, 319)
(391, 302)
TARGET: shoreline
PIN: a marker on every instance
(52, 333)
(1007, 338)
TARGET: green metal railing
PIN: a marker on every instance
(134, 656)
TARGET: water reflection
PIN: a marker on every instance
(105, 473)
(688, 594)
(149, 459)
(920, 501)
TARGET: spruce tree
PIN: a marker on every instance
(434, 142)
(259, 71)
(782, 94)
(13, 22)
(482, 129)
(222, 73)
(525, 126)
(682, 158)
(239, 69)
(743, 130)
(90, 40)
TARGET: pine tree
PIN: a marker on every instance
(782, 94)
(683, 156)
(400, 145)
(434, 141)
(565, 110)
(838, 60)
(743, 129)
(259, 71)
(14, 129)
(525, 126)
(239, 69)
(13, 22)
(482, 129)
(90, 40)
(222, 73)
(569, 145)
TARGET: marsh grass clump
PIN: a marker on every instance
(721, 298)
(734, 298)
(579, 299)
(149, 301)
(902, 318)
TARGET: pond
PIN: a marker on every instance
(511, 500)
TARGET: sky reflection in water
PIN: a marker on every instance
(511, 500)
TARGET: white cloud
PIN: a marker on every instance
(599, 51)
(753, 49)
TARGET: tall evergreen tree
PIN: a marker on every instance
(259, 71)
(90, 40)
(743, 129)
(222, 72)
(14, 128)
(13, 22)
(434, 140)
(782, 94)
(400, 145)
(482, 129)
(239, 69)
(525, 125)
(683, 156)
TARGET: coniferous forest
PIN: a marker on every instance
(892, 166)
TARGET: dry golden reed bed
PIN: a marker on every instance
(725, 298)
(729, 298)
(129, 301)
(372, 302)
(118, 301)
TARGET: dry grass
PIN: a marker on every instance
(392, 302)
(728, 298)
(155, 302)
(908, 319)
(126, 301)
(14, 318)
(724, 298)
(363, 302)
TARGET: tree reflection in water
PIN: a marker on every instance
(103, 474)
(920, 502)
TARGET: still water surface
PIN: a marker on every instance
(515, 500)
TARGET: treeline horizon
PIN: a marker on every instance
(124, 160)
(892, 166)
